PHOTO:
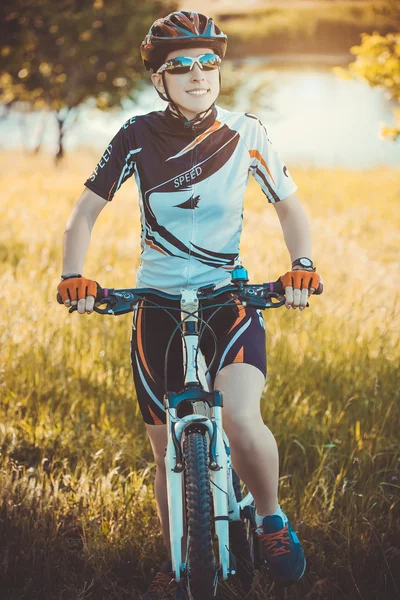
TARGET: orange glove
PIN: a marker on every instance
(80, 291)
(299, 285)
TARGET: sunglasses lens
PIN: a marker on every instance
(180, 64)
(210, 61)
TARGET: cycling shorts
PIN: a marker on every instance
(240, 338)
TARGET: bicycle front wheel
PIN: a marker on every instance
(201, 564)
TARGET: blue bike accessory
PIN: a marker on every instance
(239, 275)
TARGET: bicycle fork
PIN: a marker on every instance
(218, 464)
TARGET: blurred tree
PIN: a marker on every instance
(55, 55)
(378, 62)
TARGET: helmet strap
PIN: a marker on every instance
(164, 96)
(198, 118)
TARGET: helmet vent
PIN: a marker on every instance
(157, 31)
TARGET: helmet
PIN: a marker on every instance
(178, 30)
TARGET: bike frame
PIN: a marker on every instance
(207, 416)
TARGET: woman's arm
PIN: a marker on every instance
(295, 227)
(78, 229)
(297, 234)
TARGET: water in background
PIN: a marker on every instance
(312, 117)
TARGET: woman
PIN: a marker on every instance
(191, 163)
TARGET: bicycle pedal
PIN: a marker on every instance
(180, 593)
(245, 513)
(232, 563)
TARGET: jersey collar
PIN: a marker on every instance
(177, 123)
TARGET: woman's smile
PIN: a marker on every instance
(197, 92)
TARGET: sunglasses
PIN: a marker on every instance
(184, 64)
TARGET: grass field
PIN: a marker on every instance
(77, 512)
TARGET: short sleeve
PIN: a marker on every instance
(266, 166)
(115, 166)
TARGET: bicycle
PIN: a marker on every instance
(205, 501)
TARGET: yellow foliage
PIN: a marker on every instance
(342, 73)
(378, 64)
(85, 35)
(45, 69)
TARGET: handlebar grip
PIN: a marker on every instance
(100, 295)
(277, 286)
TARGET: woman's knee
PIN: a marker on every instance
(158, 440)
(239, 426)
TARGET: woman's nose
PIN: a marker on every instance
(196, 73)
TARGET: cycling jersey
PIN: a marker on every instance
(191, 185)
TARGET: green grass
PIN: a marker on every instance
(77, 511)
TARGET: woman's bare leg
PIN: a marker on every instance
(158, 441)
(253, 447)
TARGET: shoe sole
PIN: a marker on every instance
(297, 580)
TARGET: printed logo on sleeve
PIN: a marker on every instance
(102, 162)
(128, 122)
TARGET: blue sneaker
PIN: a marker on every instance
(282, 550)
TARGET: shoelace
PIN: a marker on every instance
(271, 541)
(160, 582)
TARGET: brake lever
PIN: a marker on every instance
(274, 304)
(102, 311)
(120, 303)
(264, 302)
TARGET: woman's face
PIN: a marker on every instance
(182, 87)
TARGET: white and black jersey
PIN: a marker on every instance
(191, 189)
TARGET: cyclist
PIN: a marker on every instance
(191, 163)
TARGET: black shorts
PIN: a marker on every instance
(240, 335)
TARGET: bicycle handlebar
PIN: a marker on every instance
(122, 301)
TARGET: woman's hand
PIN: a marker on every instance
(80, 291)
(299, 284)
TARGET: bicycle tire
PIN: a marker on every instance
(241, 543)
(201, 564)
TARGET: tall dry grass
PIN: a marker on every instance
(77, 512)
